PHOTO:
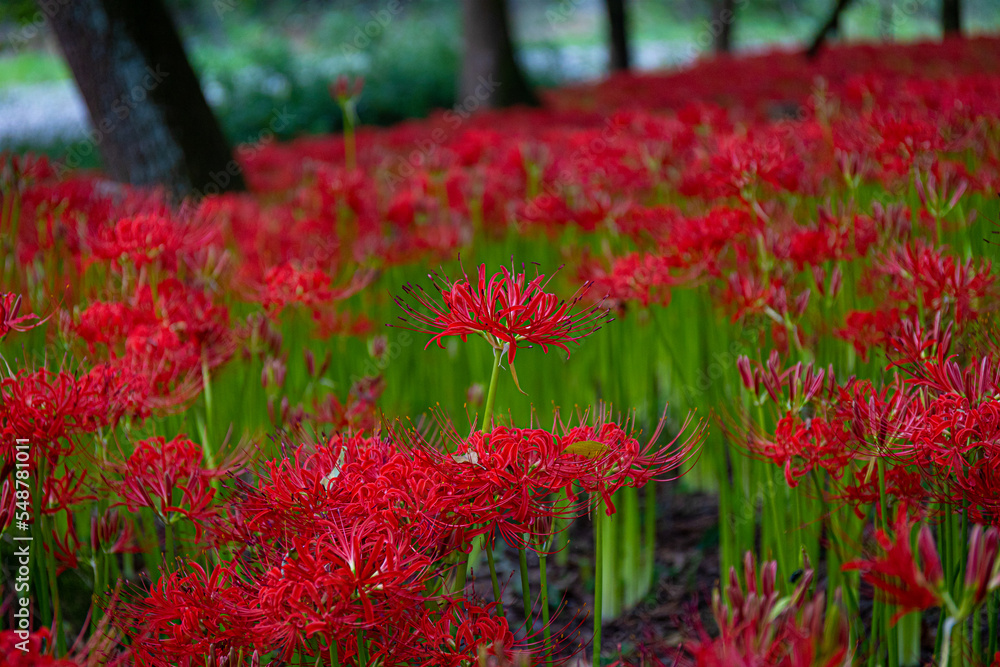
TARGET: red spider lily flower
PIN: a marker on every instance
(188, 616)
(112, 534)
(8, 507)
(288, 283)
(982, 569)
(151, 238)
(50, 409)
(462, 633)
(895, 572)
(10, 320)
(35, 651)
(800, 446)
(158, 470)
(619, 460)
(791, 388)
(65, 549)
(918, 274)
(759, 627)
(503, 482)
(63, 491)
(346, 576)
(506, 311)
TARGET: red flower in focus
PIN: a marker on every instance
(618, 460)
(188, 616)
(506, 311)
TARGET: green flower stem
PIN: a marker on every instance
(649, 544)
(544, 583)
(57, 624)
(461, 570)
(362, 649)
(977, 637)
(632, 572)
(491, 395)
(612, 587)
(890, 632)
(993, 623)
(38, 538)
(493, 578)
(334, 657)
(168, 538)
(946, 641)
(522, 557)
(350, 140)
(598, 582)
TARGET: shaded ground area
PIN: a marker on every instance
(686, 571)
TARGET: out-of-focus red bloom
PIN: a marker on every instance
(869, 329)
(897, 575)
(35, 651)
(760, 628)
(506, 311)
(158, 470)
(10, 317)
(112, 534)
(287, 283)
(151, 238)
(50, 409)
(919, 275)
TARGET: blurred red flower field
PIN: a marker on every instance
(252, 429)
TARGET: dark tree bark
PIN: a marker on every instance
(491, 77)
(151, 122)
(832, 24)
(723, 26)
(618, 35)
(951, 17)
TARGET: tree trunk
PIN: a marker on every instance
(951, 17)
(618, 35)
(832, 24)
(151, 122)
(722, 27)
(490, 77)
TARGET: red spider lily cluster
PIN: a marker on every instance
(349, 535)
(214, 444)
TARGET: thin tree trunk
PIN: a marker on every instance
(491, 77)
(951, 17)
(722, 27)
(151, 122)
(832, 24)
(618, 35)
